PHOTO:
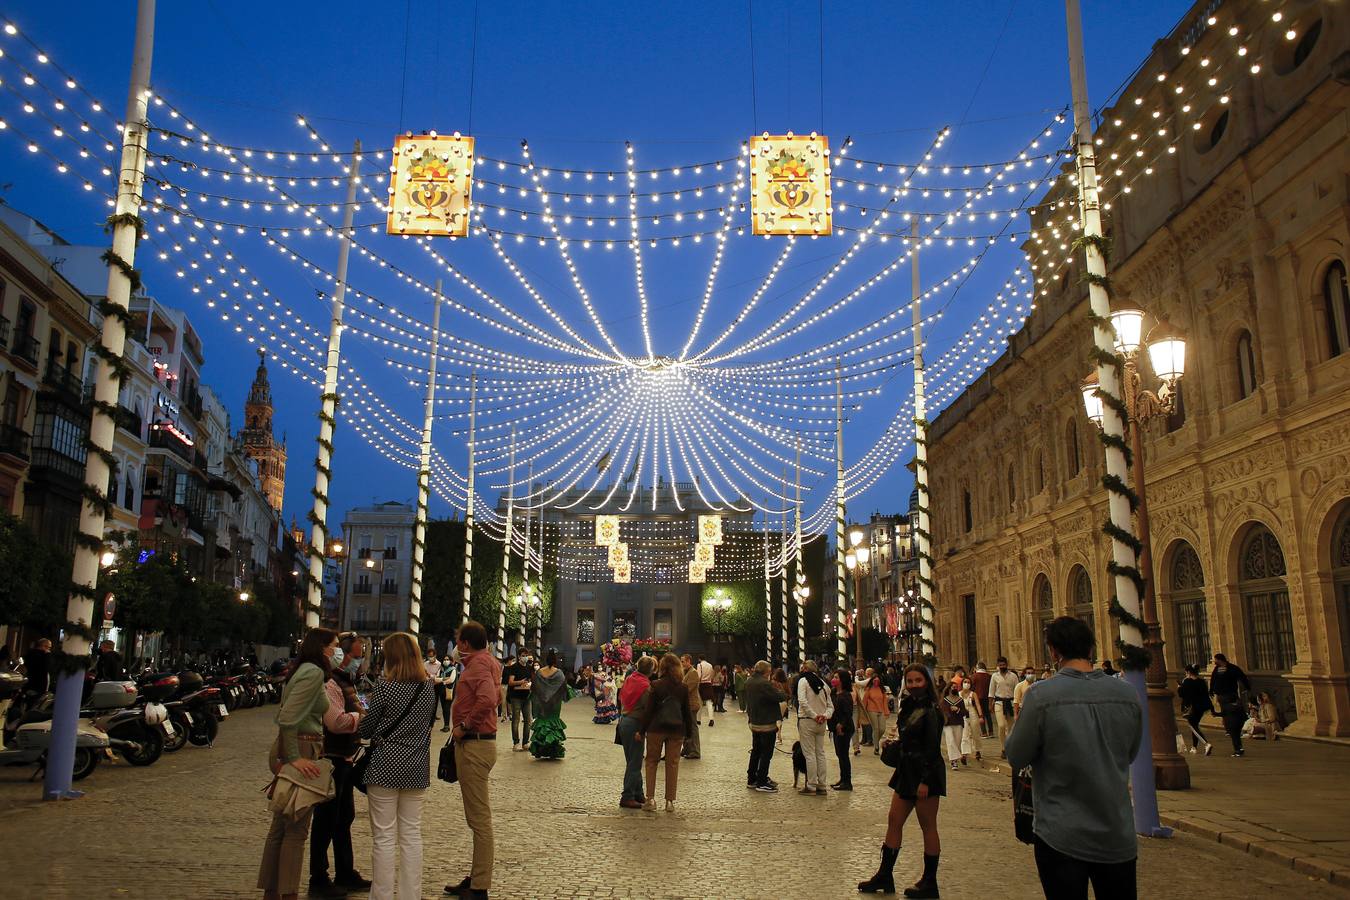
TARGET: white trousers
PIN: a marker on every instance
(1004, 720)
(970, 737)
(951, 738)
(395, 821)
(812, 735)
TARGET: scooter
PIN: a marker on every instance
(28, 742)
(136, 733)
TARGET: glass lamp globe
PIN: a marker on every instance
(850, 560)
(1092, 404)
(1129, 325)
(864, 554)
(1167, 352)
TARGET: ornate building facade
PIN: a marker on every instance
(1241, 239)
(258, 441)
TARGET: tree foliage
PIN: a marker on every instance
(34, 577)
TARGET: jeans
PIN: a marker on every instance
(520, 709)
(474, 760)
(761, 754)
(841, 750)
(333, 825)
(632, 756)
(878, 728)
(812, 736)
(987, 725)
(447, 700)
(1066, 878)
(395, 822)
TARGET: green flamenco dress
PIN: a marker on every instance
(548, 733)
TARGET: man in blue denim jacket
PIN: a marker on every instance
(1079, 731)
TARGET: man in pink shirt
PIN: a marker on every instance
(474, 717)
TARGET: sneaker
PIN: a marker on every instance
(1209, 748)
(953, 767)
(767, 788)
(648, 806)
(821, 792)
(711, 723)
(1191, 751)
(772, 782)
(1236, 755)
(750, 784)
(964, 761)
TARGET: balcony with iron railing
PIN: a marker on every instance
(130, 422)
(362, 588)
(27, 348)
(5, 326)
(64, 382)
(14, 441)
(163, 439)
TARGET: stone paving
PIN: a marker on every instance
(191, 827)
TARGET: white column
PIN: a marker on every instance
(768, 590)
(126, 226)
(923, 534)
(841, 637)
(801, 575)
(525, 564)
(506, 547)
(424, 476)
(323, 473)
(468, 507)
(784, 601)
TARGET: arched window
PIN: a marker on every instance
(1265, 596)
(1043, 609)
(1072, 453)
(1080, 594)
(1012, 485)
(1246, 365)
(965, 507)
(1337, 298)
(1186, 581)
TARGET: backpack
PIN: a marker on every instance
(669, 715)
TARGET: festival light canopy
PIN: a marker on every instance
(763, 281)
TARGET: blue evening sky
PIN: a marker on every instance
(577, 80)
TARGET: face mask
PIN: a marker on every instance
(1029, 677)
(353, 666)
(834, 683)
(336, 659)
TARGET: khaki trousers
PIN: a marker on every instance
(284, 848)
(474, 761)
(670, 743)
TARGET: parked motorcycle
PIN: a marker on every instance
(135, 732)
(27, 742)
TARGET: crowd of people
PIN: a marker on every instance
(1072, 727)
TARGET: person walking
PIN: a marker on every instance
(445, 688)
(917, 785)
(1002, 685)
(720, 678)
(780, 681)
(979, 683)
(741, 678)
(474, 735)
(974, 724)
(1020, 693)
(633, 699)
(763, 711)
(693, 748)
(814, 710)
(398, 723)
(954, 714)
(1078, 732)
(668, 717)
(1229, 685)
(299, 742)
(519, 690)
(842, 727)
(876, 706)
(862, 731)
(707, 693)
(432, 663)
(548, 691)
(1195, 703)
(333, 818)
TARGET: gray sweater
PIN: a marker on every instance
(1078, 732)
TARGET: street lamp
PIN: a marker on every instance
(719, 603)
(857, 560)
(243, 596)
(1166, 348)
(107, 559)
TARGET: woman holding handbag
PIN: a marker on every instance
(298, 744)
(919, 781)
(398, 722)
(333, 818)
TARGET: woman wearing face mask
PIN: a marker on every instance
(919, 781)
(954, 717)
(333, 818)
(299, 742)
(445, 688)
(970, 736)
(841, 727)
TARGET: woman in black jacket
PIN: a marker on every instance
(664, 725)
(841, 727)
(1195, 703)
(919, 781)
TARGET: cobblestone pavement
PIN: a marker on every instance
(191, 827)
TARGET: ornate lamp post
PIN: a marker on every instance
(801, 594)
(1167, 357)
(719, 604)
(858, 561)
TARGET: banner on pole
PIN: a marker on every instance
(704, 555)
(790, 184)
(618, 555)
(606, 530)
(710, 529)
(430, 183)
(697, 574)
(623, 573)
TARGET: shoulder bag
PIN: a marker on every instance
(362, 762)
(446, 770)
(1024, 812)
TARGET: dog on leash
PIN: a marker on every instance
(798, 762)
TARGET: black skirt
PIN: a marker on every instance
(909, 775)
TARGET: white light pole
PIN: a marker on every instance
(506, 546)
(923, 543)
(69, 663)
(841, 639)
(468, 506)
(424, 476)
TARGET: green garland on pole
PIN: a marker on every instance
(111, 259)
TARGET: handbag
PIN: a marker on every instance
(446, 770)
(291, 793)
(1024, 810)
(892, 754)
(362, 761)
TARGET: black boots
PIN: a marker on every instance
(884, 881)
(927, 886)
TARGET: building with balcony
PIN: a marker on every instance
(377, 583)
(1240, 239)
